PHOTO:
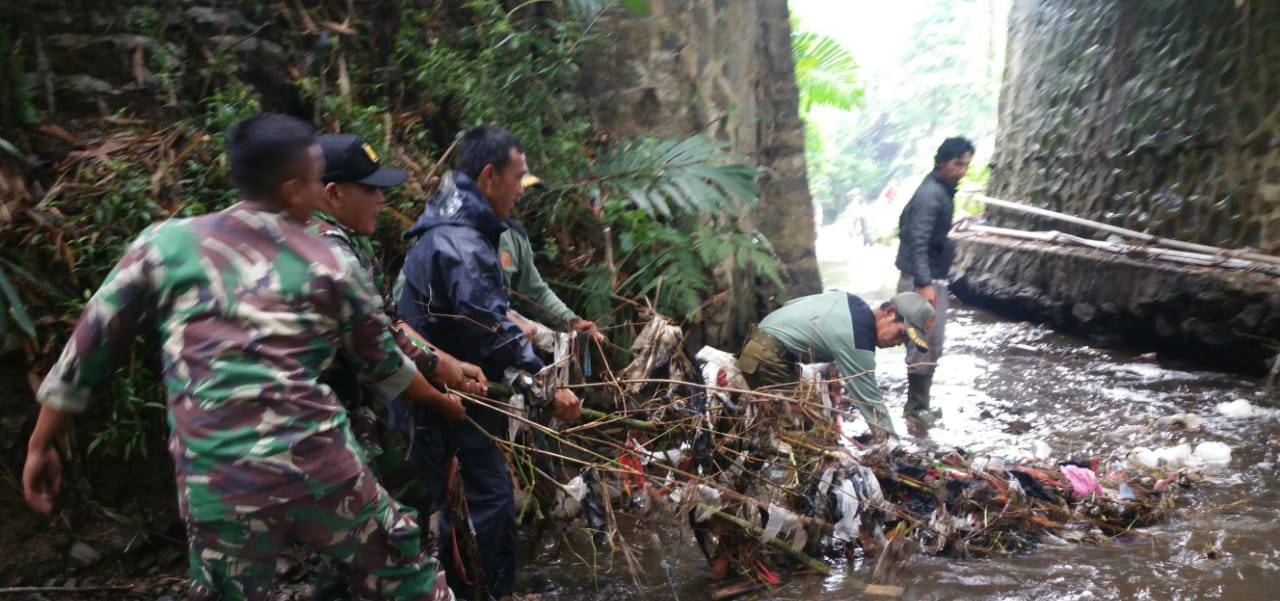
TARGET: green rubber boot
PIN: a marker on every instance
(917, 407)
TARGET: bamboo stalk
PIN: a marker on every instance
(1178, 256)
(1128, 233)
(795, 553)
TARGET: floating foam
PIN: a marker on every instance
(1242, 409)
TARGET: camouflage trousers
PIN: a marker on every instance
(375, 540)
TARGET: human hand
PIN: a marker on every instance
(526, 328)
(588, 326)
(566, 405)
(449, 405)
(476, 382)
(41, 477)
(448, 372)
(929, 294)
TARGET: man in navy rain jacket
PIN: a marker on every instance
(454, 296)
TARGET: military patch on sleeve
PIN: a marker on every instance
(506, 259)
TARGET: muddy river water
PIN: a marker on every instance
(1223, 541)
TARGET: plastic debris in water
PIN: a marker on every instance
(1083, 481)
(1213, 453)
(1188, 421)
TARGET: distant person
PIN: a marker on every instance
(924, 258)
(250, 308)
(840, 328)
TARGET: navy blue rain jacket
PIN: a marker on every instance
(454, 295)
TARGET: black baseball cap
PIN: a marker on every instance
(348, 159)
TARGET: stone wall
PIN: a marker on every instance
(1223, 318)
(1157, 115)
(724, 68)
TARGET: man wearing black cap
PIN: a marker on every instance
(354, 179)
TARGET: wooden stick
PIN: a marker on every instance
(795, 553)
(54, 590)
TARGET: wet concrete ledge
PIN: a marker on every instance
(1220, 318)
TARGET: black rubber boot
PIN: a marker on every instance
(917, 407)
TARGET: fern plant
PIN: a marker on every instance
(695, 175)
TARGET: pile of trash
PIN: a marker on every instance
(771, 481)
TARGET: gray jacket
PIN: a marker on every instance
(924, 252)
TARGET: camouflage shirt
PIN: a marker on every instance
(357, 251)
(250, 309)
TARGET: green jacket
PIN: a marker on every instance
(522, 277)
(835, 327)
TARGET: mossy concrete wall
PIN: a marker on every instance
(1157, 115)
(724, 68)
(1161, 116)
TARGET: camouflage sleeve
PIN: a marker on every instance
(342, 246)
(366, 336)
(105, 330)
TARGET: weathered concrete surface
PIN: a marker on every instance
(1219, 317)
(1155, 115)
(724, 69)
(1158, 116)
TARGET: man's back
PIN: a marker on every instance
(250, 309)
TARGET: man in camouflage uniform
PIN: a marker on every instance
(354, 179)
(250, 309)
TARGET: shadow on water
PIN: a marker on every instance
(1222, 543)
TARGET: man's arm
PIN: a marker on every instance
(527, 280)
(858, 368)
(104, 332)
(42, 472)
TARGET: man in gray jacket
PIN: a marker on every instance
(924, 258)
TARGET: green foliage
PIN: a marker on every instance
(696, 175)
(13, 310)
(941, 78)
(826, 73)
(15, 102)
(133, 424)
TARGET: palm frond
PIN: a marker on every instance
(694, 175)
(826, 73)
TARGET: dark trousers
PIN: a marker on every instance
(486, 479)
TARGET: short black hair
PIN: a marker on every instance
(486, 145)
(952, 148)
(265, 151)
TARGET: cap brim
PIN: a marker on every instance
(385, 177)
(532, 181)
(917, 339)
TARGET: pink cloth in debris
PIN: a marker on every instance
(1083, 480)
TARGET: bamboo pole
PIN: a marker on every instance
(1128, 233)
(1176, 256)
(795, 553)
